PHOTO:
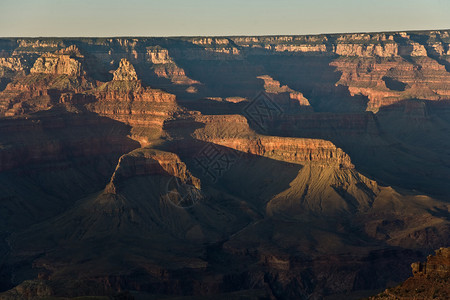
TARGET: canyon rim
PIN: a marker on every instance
(225, 167)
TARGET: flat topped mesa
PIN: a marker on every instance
(72, 50)
(66, 61)
(125, 72)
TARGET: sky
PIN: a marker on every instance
(100, 18)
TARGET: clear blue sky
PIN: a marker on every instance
(214, 17)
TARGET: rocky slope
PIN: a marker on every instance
(430, 280)
(279, 167)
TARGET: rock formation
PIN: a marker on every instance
(392, 81)
(54, 78)
(126, 100)
(158, 55)
(12, 63)
(165, 67)
(430, 280)
(360, 50)
(125, 72)
(243, 139)
(288, 99)
(65, 61)
(151, 163)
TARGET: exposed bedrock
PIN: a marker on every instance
(430, 279)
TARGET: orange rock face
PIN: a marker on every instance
(243, 139)
(65, 61)
(430, 281)
(437, 266)
(12, 63)
(289, 149)
(388, 82)
(165, 67)
(387, 50)
(126, 100)
(149, 163)
(125, 72)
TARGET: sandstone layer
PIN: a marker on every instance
(430, 280)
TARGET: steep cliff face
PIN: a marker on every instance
(54, 78)
(359, 45)
(437, 266)
(240, 137)
(289, 100)
(430, 280)
(151, 163)
(216, 45)
(289, 149)
(285, 43)
(38, 45)
(62, 62)
(12, 98)
(386, 82)
(165, 67)
(158, 55)
(13, 63)
(36, 92)
(126, 100)
(361, 50)
(125, 72)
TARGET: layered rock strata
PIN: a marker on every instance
(430, 280)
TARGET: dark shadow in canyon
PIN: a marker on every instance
(234, 164)
(379, 145)
(56, 157)
(393, 84)
(313, 76)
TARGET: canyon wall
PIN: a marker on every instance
(430, 279)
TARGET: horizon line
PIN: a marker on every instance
(224, 36)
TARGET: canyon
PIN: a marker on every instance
(272, 167)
